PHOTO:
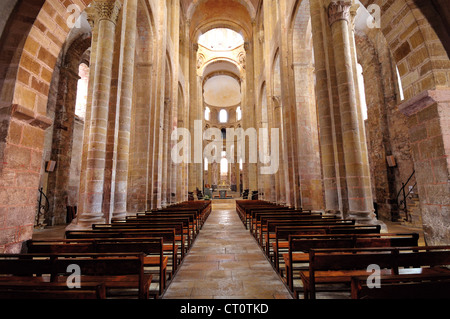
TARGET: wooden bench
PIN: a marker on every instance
(269, 234)
(258, 218)
(130, 232)
(193, 216)
(338, 266)
(299, 246)
(262, 228)
(188, 219)
(152, 248)
(415, 286)
(117, 271)
(280, 240)
(51, 290)
(255, 215)
(143, 221)
(203, 208)
(244, 207)
(172, 246)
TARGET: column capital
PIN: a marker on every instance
(107, 10)
(91, 14)
(424, 100)
(338, 10)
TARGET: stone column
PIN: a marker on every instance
(58, 180)
(125, 98)
(91, 17)
(358, 183)
(107, 13)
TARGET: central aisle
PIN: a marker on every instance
(226, 262)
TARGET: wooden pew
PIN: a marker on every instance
(244, 208)
(138, 231)
(172, 247)
(338, 266)
(299, 245)
(183, 236)
(268, 232)
(188, 219)
(278, 232)
(194, 218)
(203, 209)
(151, 247)
(255, 214)
(123, 271)
(416, 286)
(51, 290)
(280, 240)
(258, 216)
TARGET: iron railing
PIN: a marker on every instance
(403, 195)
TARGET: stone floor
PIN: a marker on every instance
(226, 262)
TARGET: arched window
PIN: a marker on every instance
(221, 39)
(238, 113)
(241, 164)
(362, 91)
(82, 89)
(223, 166)
(207, 113)
(400, 87)
(223, 116)
(206, 163)
(224, 133)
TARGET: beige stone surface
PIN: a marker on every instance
(226, 262)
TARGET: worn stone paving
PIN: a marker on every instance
(226, 262)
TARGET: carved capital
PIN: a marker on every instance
(424, 100)
(107, 10)
(338, 10)
(91, 15)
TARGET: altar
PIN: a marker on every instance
(223, 185)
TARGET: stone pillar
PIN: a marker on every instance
(91, 17)
(195, 114)
(125, 98)
(324, 107)
(58, 180)
(107, 12)
(429, 132)
(248, 111)
(358, 183)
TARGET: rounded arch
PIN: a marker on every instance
(207, 72)
(276, 75)
(145, 41)
(210, 14)
(300, 25)
(246, 3)
(263, 103)
(181, 105)
(236, 71)
(168, 75)
(206, 26)
(415, 45)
